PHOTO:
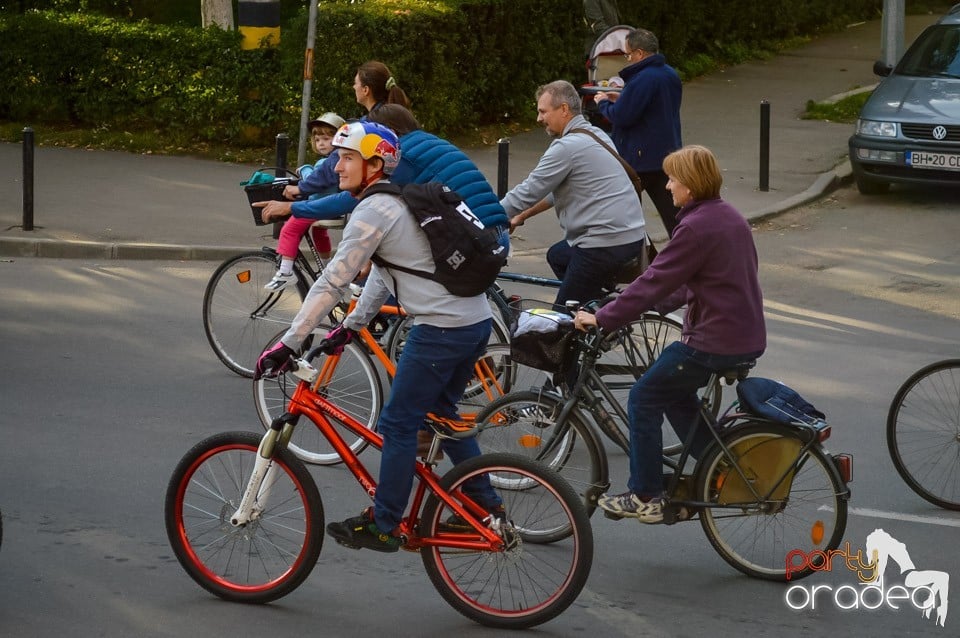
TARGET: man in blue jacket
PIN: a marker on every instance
(646, 117)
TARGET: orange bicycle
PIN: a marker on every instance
(352, 381)
(245, 518)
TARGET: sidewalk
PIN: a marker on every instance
(100, 204)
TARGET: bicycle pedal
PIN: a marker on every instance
(612, 516)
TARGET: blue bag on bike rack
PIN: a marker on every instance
(776, 401)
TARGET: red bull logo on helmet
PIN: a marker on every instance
(387, 151)
(374, 145)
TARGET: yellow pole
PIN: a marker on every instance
(259, 21)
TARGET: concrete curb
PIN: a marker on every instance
(67, 249)
(825, 183)
(74, 249)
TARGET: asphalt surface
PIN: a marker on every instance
(101, 204)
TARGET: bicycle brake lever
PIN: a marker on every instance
(301, 369)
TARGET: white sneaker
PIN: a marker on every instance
(629, 505)
(280, 281)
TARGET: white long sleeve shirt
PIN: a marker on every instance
(383, 224)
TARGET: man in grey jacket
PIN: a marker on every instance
(596, 203)
(448, 336)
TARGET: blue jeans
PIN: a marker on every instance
(669, 387)
(503, 236)
(587, 271)
(434, 368)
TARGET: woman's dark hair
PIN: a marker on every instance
(396, 117)
(383, 87)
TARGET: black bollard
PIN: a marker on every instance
(28, 178)
(503, 164)
(764, 145)
(283, 146)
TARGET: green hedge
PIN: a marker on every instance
(94, 71)
(463, 62)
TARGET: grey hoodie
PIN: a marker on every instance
(595, 201)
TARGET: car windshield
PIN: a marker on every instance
(936, 53)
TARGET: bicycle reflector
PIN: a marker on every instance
(243, 276)
(844, 463)
(529, 441)
(816, 533)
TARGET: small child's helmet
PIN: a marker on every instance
(330, 119)
(370, 140)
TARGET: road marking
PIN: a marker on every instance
(908, 518)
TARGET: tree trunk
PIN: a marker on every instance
(217, 12)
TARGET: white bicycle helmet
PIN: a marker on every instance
(370, 140)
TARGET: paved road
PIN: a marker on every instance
(108, 381)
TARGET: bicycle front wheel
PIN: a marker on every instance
(633, 352)
(525, 423)
(805, 512)
(257, 562)
(526, 583)
(239, 315)
(349, 380)
(923, 433)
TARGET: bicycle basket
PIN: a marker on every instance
(262, 187)
(543, 339)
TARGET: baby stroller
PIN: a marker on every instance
(603, 66)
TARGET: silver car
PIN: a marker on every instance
(909, 128)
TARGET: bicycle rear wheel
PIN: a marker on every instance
(923, 433)
(806, 512)
(254, 563)
(239, 315)
(528, 582)
(525, 423)
(350, 381)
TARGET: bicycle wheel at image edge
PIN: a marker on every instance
(923, 433)
(527, 583)
(258, 562)
(525, 423)
(239, 315)
(805, 512)
(350, 381)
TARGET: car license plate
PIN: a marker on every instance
(943, 161)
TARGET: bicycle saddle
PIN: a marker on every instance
(737, 373)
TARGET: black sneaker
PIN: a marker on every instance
(455, 523)
(360, 532)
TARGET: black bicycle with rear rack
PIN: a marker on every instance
(762, 489)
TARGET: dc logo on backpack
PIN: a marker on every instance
(466, 254)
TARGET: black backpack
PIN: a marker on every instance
(466, 254)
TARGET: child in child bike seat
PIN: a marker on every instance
(449, 333)
(711, 265)
(322, 131)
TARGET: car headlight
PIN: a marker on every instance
(877, 129)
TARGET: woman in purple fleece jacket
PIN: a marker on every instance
(710, 265)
